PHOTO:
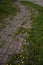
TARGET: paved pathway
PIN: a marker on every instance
(40, 2)
(12, 45)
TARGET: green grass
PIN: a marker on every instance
(7, 9)
(36, 33)
(2, 43)
(2, 26)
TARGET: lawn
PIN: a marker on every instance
(36, 33)
(7, 9)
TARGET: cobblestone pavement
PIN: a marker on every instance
(40, 2)
(12, 45)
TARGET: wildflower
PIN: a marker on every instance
(25, 40)
(20, 55)
(22, 50)
(22, 62)
(10, 63)
(18, 64)
(23, 57)
(6, 64)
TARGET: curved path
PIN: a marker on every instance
(10, 44)
(40, 2)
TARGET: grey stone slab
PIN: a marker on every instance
(5, 46)
(15, 47)
(40, 2)
(10, 52)
(1, 50)
(5, 59)
(3, 64)
(11, 46)
(4, 50)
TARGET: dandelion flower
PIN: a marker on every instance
(22, 62)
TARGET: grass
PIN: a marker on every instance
(3, 24)
(2, 43)
(7, 9)
(36, 33)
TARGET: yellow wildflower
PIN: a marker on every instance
(22, 50)
(22, 62)
(23, 57)
(6, 64)
(10, 63)
(18, 64)
(20, 55)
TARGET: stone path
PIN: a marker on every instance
(40, 2)
(12, 45)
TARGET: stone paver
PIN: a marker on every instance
(4, 51)
(40, 2)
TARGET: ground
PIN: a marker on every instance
(11, 39)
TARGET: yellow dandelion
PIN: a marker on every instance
(23, 57)
(22, 50)
(31, 21)
(18, 64)
(22, 62)
(25, 40)
(20, 55)
(10, 63)
(6, 64)
(15, 56)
